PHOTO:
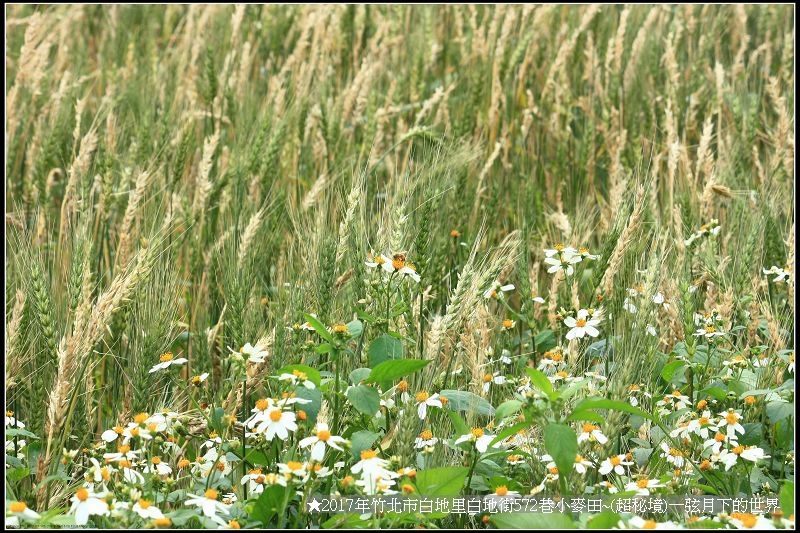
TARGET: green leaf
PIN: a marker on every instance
(362, 440)
(614, 405)
(17, 432)
(714, 392)
(670, 368)
(355, 328)
(507, 408)
(269, 504)
(466, 401)
(216, 419)
(311, 409)
(383, 349)
(786, 498)
(358, 375)
(545, 341)
(779, 410)
(321, 330)
(561, 443)
(365, 399)
(311, 373)
(459, 425)
(509, 431)
(393, 369)
(539, 379)
(604, 520)
(445, 481)
(15, 474)
(532, 520)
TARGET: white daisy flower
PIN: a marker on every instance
(731, 422)
(642, 523)
(479, 438)
(424, 400)
(643, 485)
(146, 509)
(253, 354)
(86, 504)
(425, 439)
(673, 455)
(496, 290)
(488, 379)
(209, 503)
(582, 326)
(167, 360)
(615, 463)
(591, 433)
(20, 510)
(322, 437)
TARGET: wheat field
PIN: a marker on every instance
(259, 255)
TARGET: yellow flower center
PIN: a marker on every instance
(748, 520)
(294, 465)
(676, 393)
(144, 504)
(738, 450)
(719, 437)
(233, 524)
(183, 463)
(502, 490)
(422, 396)
(82, 494)
(642, 483)
(705, 465)
(487, 378)
(323, 435)
(616, 460)
(426, 434)
(275, 415)
(583, 250)
(402, 386)
(553, 470)
(162, 522)
(168, 356)
(105, 474)
(562, 374)
(17, 507)
(580, 322)
(649, 524)
(398, 263)
(508, 323)
(408, 488)
(124, 448)
(126, 464)
(702, 404)
(477, 432)
(559, 247)
(455, 233)
(140, 418)
(704, 421)
(380, 260)
(710, 329)
(557, 357)
(211, 494)
(368, 454)
(156, 460)
(731, 418)
(338, 328)
(579, 458)
(588, 428)
(262, 404)
(674, 452)
(750, 400)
